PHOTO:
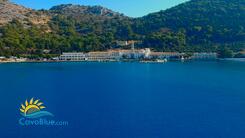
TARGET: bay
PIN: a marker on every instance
(127, 100)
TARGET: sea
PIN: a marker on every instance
(194, 99)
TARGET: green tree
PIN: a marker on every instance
(225, 52)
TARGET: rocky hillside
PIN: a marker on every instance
(10, 11)
(77, 10)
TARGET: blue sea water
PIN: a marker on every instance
(127, 100)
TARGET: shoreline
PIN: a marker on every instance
(234, 59)
(139, 61)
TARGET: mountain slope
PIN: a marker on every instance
(10, 11)
(84, 20)
(70, 28)
(205, 21)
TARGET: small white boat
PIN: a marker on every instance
(182, 58)
(162, 60)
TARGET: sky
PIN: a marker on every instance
(132, 8)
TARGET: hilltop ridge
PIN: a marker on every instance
(75, 10)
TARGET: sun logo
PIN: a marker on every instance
(33, 109)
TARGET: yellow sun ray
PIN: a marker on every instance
(26, 103)
(36, 102)
(39, 104)
(23, 111)
(42, 107)
(23, 107)
(31, 101)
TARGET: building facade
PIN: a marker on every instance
(72, 56)
(135, 54)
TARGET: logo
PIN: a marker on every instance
(34, 114)
(34, 109)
